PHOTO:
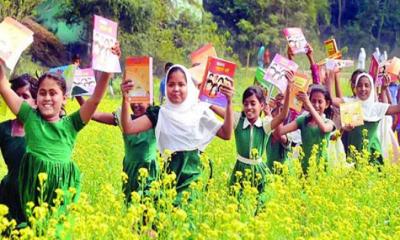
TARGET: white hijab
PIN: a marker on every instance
(373, 111)
(187, 126)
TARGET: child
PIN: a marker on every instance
(373, 112)
(315, 127)
(183, 125)
(49, 138)
(251, 132)
(140, 149)
(12, 145)
(277, 146)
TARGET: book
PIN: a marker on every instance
(276, 71)
(140, 71)
(200, 56)
(14, 39)
(218, 72)
(68, 73)
(104, 38)
(332, 64)
(197, 72)
(270, 90)
(84, 82)
(301, 83)
(296, 40)
(351, 114)
(393, 69)
(377, 69)
(332, 49)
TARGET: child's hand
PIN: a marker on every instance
(116, 49)
(228, 91)
(309, 50)
(303, 97)
(290, 78)
(386, 81)
(126, 87)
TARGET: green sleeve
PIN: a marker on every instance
(300, 121)
(152, 114)
(25, 112)
(76, 121)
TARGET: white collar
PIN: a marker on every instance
(246, 123)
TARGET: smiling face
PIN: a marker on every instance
(252, 108)
(177, 87)
(363, 88)
(139, 108)
(319, 102)
(50, 99)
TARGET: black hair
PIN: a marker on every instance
(175, 69)
(322, 89)
(354, 76)
(25, 80)
(76, 57)
(168, 65)
(256, 91)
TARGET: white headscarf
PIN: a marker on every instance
(373, 111)
(187, 126)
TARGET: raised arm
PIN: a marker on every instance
(225, 132)
(10, 97)
(220, 111)
(101, 117)
(313, 66)
(325, 127)
(336, 101)
(89, 107)
(130, 126)
(338, 89)
(283, 114)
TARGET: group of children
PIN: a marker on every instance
(42, 138)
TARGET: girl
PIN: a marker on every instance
(49, 138)
(373, 112)
(12, 145)
(251, 132)
(183, 125)
(140, 149)
(315, 127)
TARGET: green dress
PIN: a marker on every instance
(311, 135)
(276, 152)
(185, 164)
(140, 152)
(355, 138)
(49, 147)
(250, 137)
(12, 149)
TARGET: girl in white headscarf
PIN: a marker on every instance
(373, 112)
(183, 125)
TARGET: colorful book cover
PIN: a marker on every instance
(218, 72)
(296, 40)
(201, 55)
(14, 39)
(351, 114)
(332, 49)
(270, 90)
(104, 38)
(393, 69)
(377, 70)
(197, 72)
(276, 71)
(301, 83)
(333, 64)
(140, 71)
(84, 82)
(68, 73)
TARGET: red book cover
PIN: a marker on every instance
(218, 72)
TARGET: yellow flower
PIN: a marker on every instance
(42, 178)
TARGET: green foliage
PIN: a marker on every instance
(17, 9)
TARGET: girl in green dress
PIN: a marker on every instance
(373, 112)
(49, 138)
(251, 133)
(12, 145)
(140, 149)
(183, 125)
(315, 127)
